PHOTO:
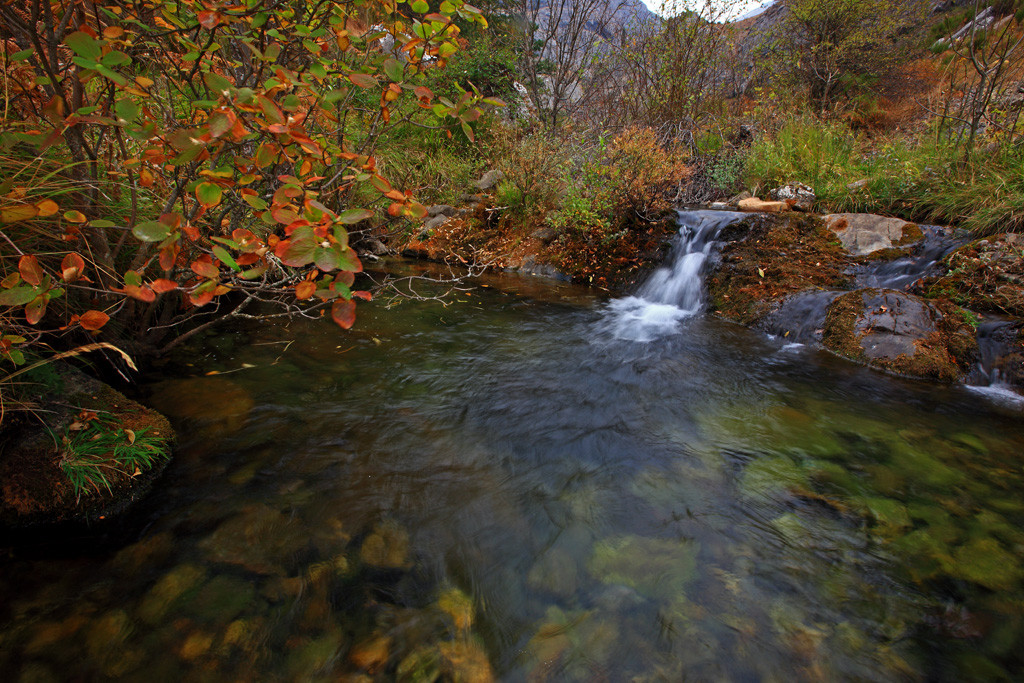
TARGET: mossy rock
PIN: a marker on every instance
(35, 492)
(902, 334)
(985, 275)
(769, 258)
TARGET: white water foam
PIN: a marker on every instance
(999, 393)
(675, 291)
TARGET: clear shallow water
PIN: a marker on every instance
(505, 488)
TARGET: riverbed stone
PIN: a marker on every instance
(866, 233)
(216, 401)
(901, 333)
(656, 568)
(387, 547)
(259, 539)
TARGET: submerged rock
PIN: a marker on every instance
(387, 547)
(260, 539)
(656, 568)
(901, 333)
(215, 401)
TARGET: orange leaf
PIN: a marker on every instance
(93, 320)
(47, 207)
(161, 285)
(71, 267)
(304, 290)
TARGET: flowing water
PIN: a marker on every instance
(544, 487)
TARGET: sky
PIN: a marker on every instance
(735, 7)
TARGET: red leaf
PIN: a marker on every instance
(304, 290)
(362, 294)
(93, 320)
(71, 267)
(208, 19)
(344, 313)
(30, 271)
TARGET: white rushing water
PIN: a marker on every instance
(675, 291)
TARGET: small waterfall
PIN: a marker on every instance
(675, 291)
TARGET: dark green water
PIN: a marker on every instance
(500, 488)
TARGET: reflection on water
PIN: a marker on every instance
(498, 488)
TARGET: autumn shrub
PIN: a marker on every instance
(643, 176)
(165, 164)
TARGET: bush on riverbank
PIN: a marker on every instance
(919, 178)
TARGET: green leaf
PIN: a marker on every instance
(23, 55)
(209, 194)
(394, 69)
(18, 296)
(468, 131)
(84, 45)
(112, 75)
(254, 202)
(132, 278)
(354, 216)
(127, 109)
(299, 249)
(318, 70)
(420, 6)
(217, 83)
(115, 58)
(101, 223)
(151, 231)
(226, 258)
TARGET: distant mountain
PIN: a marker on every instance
(754, 12)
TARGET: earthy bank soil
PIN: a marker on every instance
(33, 488)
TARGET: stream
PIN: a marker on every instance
(526, 482)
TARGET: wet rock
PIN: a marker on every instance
(374, 246)
(529, 266)
(489, 179)
(753, 204)
(798, 196)
(801, 317)
(901, 333)
(387, 547)
(259, 539)
(865, 233)
(442, 210)
(720, 206)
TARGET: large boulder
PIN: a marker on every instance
(901, 333)
(866, 233)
